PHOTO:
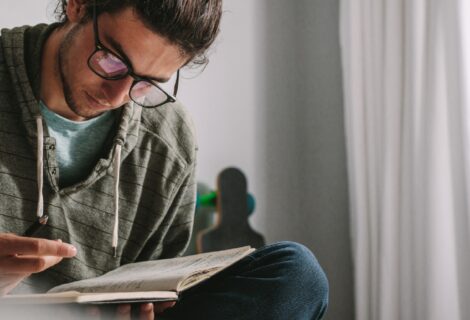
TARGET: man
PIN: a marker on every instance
(91, 139)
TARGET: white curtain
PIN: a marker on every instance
(406, 69)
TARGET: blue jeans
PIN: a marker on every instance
(280, 281)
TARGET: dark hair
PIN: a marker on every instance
(190, 24)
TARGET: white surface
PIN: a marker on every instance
(224, 99)
(15, 13)
(408, 142)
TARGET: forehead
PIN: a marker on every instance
(149, 52)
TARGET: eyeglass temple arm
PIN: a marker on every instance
(175, 88)
(95, 23)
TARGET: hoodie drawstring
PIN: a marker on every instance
(40, 178)
(39, 166)
(117, 166)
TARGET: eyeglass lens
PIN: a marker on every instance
(110, 66)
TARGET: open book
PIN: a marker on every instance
(158, 280)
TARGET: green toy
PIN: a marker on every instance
(210, 200)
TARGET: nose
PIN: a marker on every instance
(116, 92)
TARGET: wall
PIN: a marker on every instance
(25, 12)
(304, 149)
(270, 103)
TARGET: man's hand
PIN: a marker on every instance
(123, 312)
(22, 256)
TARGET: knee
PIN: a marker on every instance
(304, 276)
(305, 267)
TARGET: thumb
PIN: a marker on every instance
(159, 307)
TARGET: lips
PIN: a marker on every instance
(95, 103)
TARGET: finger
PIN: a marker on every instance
(123, 312)
(11, 244)
(162, 306)
(27, 264)
(146, 311)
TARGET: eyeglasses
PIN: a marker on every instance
(144, 91)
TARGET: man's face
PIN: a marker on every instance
(89, 95)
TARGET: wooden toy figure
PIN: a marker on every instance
(232, 228)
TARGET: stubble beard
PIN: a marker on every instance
(68, 91)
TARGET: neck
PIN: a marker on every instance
(52, 93)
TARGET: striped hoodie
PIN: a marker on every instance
(142, 188)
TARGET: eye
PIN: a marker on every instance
(107, 64)
(141, 88)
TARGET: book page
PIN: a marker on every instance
(90, 298)
(156, 275)
(61, 297)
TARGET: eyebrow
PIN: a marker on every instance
(116, 46)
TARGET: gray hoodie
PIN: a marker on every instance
(141, 192)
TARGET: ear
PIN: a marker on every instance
(75, 10)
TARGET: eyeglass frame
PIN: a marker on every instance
(130, 71)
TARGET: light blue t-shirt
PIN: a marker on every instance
(78, 143)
